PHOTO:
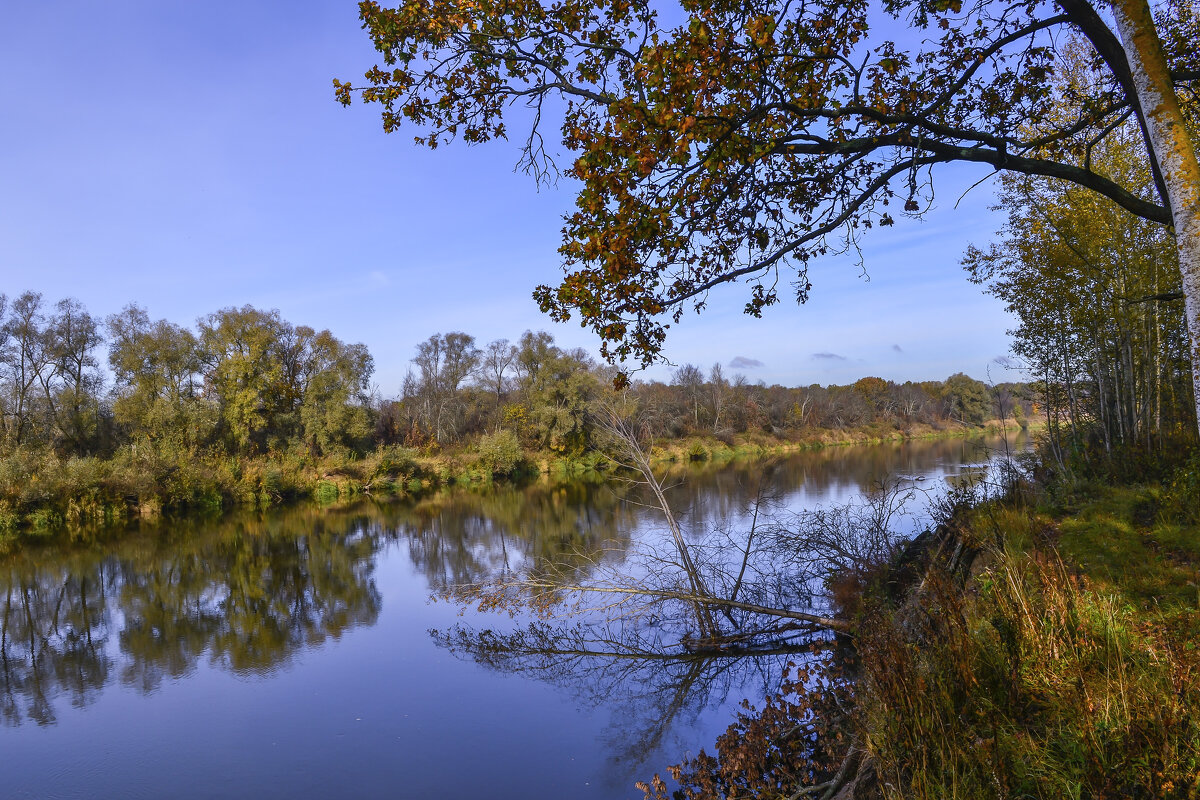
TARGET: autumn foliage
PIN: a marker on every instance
(743, 139)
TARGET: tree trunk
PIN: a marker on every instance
(1174, 153)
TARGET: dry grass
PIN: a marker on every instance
(1066, 668)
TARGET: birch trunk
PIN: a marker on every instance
(1174, 152)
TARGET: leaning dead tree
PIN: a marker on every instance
(756, 584)
(682, 619)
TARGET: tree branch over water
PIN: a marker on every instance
(681, 619)
(758, 585)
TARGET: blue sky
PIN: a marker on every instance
(190, 156)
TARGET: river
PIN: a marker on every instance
(289, 654)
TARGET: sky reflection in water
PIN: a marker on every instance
(288, 654)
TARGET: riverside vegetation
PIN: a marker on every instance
(249, 409)
(1041, 639)
(1046, 646)
(1039, 643)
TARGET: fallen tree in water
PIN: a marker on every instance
(739, 587)
(1015, 649)
(673, 620)
(1031, 653)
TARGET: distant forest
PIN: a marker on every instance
(246, 382)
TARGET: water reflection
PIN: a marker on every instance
(631, 662)
(53, 641)
(465, 537)
(649, 692)
(249, 594)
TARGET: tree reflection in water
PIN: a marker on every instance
(643, 660)
(251, 592)
(249, 595)
(53, 640)
(465, 538)
(648, 689)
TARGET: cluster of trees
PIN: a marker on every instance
(695, 403)
(248, 382)
(546, 394)
(244, 380)
(539, 391)
(1098, 298)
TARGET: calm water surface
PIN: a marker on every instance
(289, 654)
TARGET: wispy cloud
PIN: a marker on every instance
(1008, 362)
(378, 278)
(828, 357)
(742, 362)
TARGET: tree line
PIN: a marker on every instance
(546, 395)
(1097, 295)
(246, 382)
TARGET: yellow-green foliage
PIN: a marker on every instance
(326, 492)
(43, 491)
(1067, 671)
(394, 463)
(499, 453)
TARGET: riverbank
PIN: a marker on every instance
(1065, 664)
(43, 496)
(1048, 646)
(716, 449)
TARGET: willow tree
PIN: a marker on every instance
(756, 135)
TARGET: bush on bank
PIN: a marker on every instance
(42, 493)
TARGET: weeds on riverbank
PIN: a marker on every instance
(1035, 679)
(42, 493)
(1048, 651)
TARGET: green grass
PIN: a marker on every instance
(1066, 666)
(1153, 564)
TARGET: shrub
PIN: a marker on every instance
(10, 521)
(1182, 501)
(44, 520)
(272, 481)
(397, 460)
(326, 493)
(500, 452)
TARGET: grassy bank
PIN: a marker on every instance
(1046, 646)
(1066, 663)
(43, 495)
(711, 448)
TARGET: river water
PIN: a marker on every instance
(290, 654)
